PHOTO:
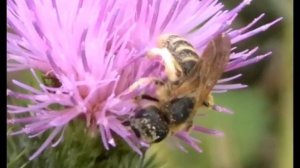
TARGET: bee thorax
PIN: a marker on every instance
(180, 109)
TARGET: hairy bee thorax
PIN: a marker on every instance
(178, 110)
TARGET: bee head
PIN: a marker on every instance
(149, 125)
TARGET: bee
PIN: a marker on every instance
(190, 79)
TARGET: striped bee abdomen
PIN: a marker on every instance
(183, 52)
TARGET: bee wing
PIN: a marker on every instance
(211, 66)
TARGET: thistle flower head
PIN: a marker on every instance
(95, 50)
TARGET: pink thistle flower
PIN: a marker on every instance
(96, 50)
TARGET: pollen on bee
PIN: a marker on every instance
(169, 61)
(161, 41)
(154, 52)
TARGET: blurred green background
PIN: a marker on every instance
(258, 135)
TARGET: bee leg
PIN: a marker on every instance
(172, 68)
(209, 102)
(143, 81)
(148, 97)
(189, 126)
(149, 100)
